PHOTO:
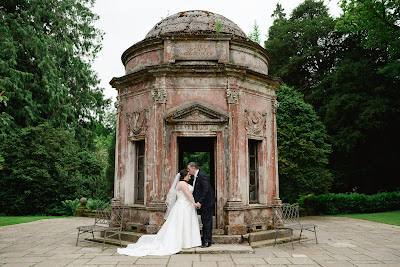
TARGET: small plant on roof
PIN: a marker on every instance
(218, 26)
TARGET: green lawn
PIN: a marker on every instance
(389, 217)
(9, 220)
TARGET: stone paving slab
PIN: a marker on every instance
(342, 242)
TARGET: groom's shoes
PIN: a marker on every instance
(206, 245)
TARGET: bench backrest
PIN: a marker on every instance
(109, 216)
(286, 214)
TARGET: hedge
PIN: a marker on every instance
(349, 203)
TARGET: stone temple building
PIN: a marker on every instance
(197, 83)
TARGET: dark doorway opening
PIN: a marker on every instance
(200, 150)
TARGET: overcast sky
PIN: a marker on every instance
(126, 22)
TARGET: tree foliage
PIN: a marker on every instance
(44, 166)
(303, 150)
(378, 24)
(359, 106)
(342, 76)
(299, 44)
(46, 51)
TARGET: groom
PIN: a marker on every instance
(204, 196)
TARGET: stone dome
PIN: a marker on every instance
(194, 22)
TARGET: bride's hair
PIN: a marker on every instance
(183, 174)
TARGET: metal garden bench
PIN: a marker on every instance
(108, 219)
(286, 217)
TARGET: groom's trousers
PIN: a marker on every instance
(207, 220)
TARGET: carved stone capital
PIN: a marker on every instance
(254, 121)
(137, 122)
(160, 95)
(118, 105)
(232, 96)
(275, 105)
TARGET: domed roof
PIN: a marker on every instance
(195, 22)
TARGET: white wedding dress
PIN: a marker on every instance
(180, 230)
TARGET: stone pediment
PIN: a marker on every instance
(196, 114)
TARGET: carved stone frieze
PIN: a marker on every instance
(232, 96)
(137, 122)
(160, 95)
(254, 121)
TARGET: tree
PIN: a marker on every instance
(4, 119)
(46, 52)
(343, 78)
(359, 106)
(105, 143)
(39, 172)
(299, 45)
(302, 147)
(378, 24)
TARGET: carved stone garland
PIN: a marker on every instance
(137, 122)
(254, 121)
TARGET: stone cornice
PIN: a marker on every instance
(229, 69)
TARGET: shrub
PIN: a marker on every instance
(92, 204)
(43, 166)
(350, 203)
(71, 206)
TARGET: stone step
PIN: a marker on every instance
(271, 242)
(255, 239)
(214, 249)
(266, 235)
(132, 237)
(142, 228)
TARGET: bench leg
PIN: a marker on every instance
(104, 240)
(301, 231)
(291, 237)
(315, 233)
(77, 238)
(120, 242)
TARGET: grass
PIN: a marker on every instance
(388, 217)
(9, 220)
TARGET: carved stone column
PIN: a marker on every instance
(117, 179)
(274, 153)
(156, 168)
(234, 208)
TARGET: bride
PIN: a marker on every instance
(181, 228)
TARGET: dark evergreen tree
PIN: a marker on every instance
(303, 150)
(46, 51)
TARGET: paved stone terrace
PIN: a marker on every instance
(342, 242)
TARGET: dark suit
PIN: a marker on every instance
(204, 194)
